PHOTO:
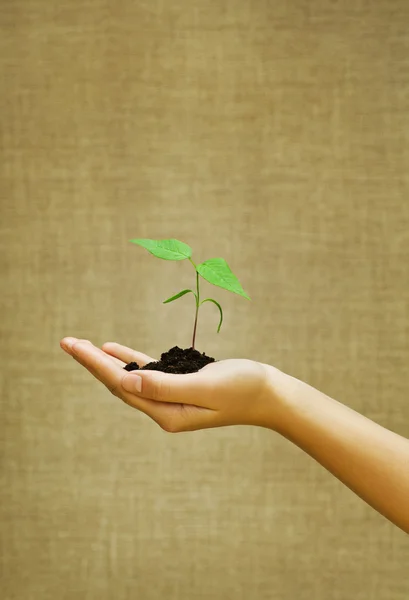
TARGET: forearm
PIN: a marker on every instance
(371, 460)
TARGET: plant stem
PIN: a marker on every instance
(197, 310)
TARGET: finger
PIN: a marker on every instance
(99, 364)
(126, 354)
(89, 369)
(190, 388)
(118, 362)
(169, 416)
(67, 342)
(93, 359)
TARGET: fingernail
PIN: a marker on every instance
(132, 383)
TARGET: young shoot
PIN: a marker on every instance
(215, 270)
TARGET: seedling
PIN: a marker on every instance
(215, 270)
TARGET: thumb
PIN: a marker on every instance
(189, 388)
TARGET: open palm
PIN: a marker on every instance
(226, 392)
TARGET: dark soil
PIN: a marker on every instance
(176, 360)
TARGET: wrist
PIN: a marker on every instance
(275, 399)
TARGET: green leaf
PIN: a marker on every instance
(166, 249)
(217, 272)
(220, 309)
(179, 295)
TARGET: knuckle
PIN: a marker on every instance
(114, 391)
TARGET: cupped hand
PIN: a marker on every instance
(227, 392)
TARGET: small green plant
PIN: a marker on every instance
(214, 270)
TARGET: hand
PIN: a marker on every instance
(227, 392)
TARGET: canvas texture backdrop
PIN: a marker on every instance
(272, 134)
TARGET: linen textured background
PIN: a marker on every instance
(273, 134)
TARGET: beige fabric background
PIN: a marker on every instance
(274, 134)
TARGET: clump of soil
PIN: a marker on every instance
(176, 360)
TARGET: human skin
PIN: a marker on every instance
(368, 458)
